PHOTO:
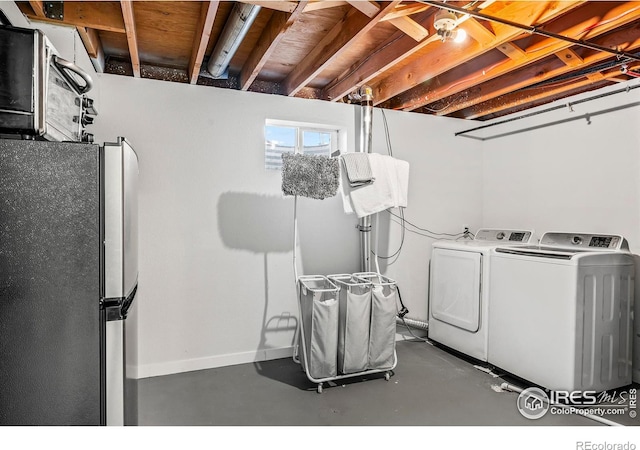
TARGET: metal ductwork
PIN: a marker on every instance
(365, 96)
(236, 28)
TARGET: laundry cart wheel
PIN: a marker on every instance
(387, 375)
(319, 389)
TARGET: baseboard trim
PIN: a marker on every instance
(210, 362)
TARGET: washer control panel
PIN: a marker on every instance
(585, 241)
(507, 236)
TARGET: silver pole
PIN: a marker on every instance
(366, 134)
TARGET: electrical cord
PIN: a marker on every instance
(424, 229)
(403, 312)
(454, 238)
(386, 132)
(403, 222)
(402, 235)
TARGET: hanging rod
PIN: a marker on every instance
(535, 113)
(586, 116)
(532, 29)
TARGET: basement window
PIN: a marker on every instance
(295, 137)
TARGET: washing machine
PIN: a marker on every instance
(561, 311)
(459, 289)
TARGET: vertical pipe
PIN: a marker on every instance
(366, 134)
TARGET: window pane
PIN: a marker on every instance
(316, 143)
(278, 140)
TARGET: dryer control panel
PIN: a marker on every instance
(507, 236)
(585, 241)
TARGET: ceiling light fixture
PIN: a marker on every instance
(445, 23)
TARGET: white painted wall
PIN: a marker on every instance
(216, 275)
(571, 176)
(216, 234)
(445, 193)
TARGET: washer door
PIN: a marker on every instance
(456, 288)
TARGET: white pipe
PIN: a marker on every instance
(518, 389)
(236, 28)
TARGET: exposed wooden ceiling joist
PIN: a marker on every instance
(317, 5)
(407, 88)
(269, 40)
(396, 49)
(348, 30)
(410, 27)
(106, 16)
(498, 91)
(132, 39)
(208, 11)
(515, 51)
(543, 95)
(490, 88)
(38, 7)
(91, 41)
(405, 10)
(274, 4)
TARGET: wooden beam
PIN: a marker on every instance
(517, 82)
(208, 11)
(272, 4)
(403, 23)
(38, 7)
(410, 27)
(410, 88)
(569, 58)
(132, 40)
(479, 32)
(405, 10)
(573, 60)
(91, 40)
(497, 79)
(92, 44)
(391, 52)
(541, 95)
(323, 4)
(512, 51)
(106, 16)
(271, 36)
(369, 9)
(352, 26)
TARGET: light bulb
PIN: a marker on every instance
(460, 36)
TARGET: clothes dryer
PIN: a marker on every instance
(459, 289)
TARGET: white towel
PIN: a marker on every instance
(358, 168)
(389, 189)
(402, 183)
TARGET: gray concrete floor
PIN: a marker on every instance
(429, 387)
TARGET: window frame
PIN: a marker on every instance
(337, 144)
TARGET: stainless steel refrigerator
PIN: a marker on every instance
(68, 277)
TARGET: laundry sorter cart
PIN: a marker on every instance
(382, 340)
(339, 313)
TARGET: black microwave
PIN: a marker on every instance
(42, 96)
